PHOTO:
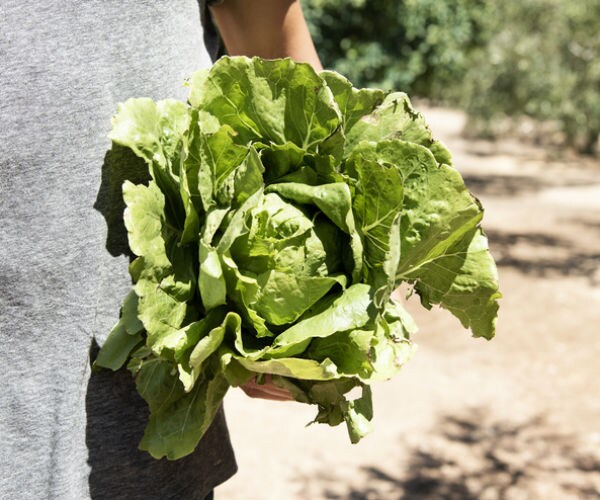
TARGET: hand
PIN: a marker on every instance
(267, 390)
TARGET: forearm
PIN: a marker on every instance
(265, 28)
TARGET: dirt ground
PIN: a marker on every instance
(514, 418)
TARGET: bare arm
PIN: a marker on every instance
(265, 28)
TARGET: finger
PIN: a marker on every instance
(266, 392)
(260, 394)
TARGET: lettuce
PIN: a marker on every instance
(282, 209)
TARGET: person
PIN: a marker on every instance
(68, 433)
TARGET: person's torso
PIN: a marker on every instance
(64, 66)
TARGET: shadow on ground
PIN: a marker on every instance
(473, 457)
(504, 185)
(514, 185)
(586, 224)
(542, 255)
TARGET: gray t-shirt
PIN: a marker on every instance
(64, 433)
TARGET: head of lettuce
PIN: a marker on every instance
(281, 209)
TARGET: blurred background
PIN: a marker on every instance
(513, 89)
(501, 62)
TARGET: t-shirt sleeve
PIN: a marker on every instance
(212, 40)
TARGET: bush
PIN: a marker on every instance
(418, 46)
(535, 58)
(542, 61)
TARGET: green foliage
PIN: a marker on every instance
(283, 209)
(417, 46)
(542, 61)
(534, 58)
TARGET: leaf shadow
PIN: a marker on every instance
(120, 164)
(545, 255)
(473, 456)
(485, 184)
(115, 419)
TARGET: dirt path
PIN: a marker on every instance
(514, 418)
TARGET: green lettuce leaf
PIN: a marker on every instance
(211, 282)
(395, 119)
(349, 351)
(117, 347)
(180, 342)
(358, 415)
(189, 188)
(219, 156)
(298, 368)
(378, 204)
(335, 201)
(353, 103)
(191, 368)
(437, 207)
(390, 344)
(154, 132)
(129, 313)
(334, 406)
(163, 290)
(281, 160)
(465, 282)
(439, 221)
(123, 338)
(286, 257)
(350, 310)
(157, 383)
(178, 420)
(242, 291)
(276, 101)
